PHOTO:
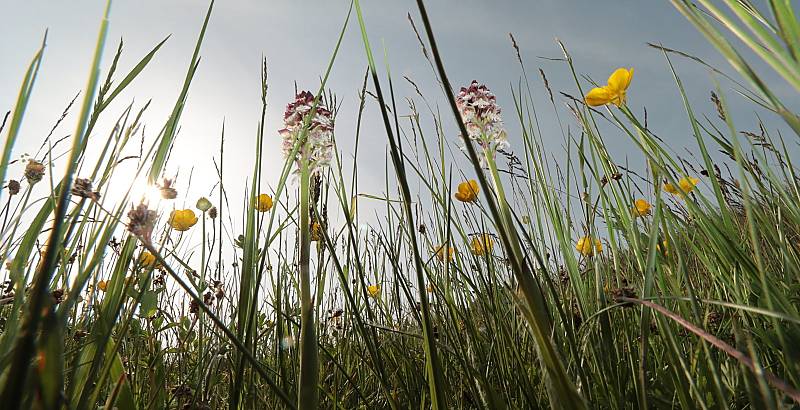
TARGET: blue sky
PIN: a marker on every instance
(297, 38)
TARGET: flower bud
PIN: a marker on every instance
(203, 204)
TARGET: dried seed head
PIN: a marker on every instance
(212, 213)
(182, 391)
(83, 188)
(141, 222)
(79, 335)
(13, 187)
(194, 307)
(714, 319)
(167, 191)
(34, 171)
(619, 293)
(58, 296)
(160, 280)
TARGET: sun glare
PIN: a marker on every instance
(144, 191)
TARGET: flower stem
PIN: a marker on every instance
(200, 289)
(307, 394)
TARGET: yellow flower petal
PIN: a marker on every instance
(147, 260)
(467, 191)
(585, 248)
(182, 219)
(687, 184)
(642, 207)
(442, 250)
(481, 245)
(619, 80)
(374, 290)
(263, 203)
(599, 96)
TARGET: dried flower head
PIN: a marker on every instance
(58, 295)
(166, 189)
(83, 188)
(219, 289)
(620, 294)
(34, 171)
(212, 213)
(481, 116)
(13, 187)
(79, 335)
(141, 222)
(317, 147)
(160, 280)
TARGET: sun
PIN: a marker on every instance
(143, 191)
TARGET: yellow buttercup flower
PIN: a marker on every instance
(263, 203)
(102, 285)
(443, 250)
(481, 244)
(374, 290)
(182, 219)
(688, 184)
(614, 91)
(147, 259)
(467, 191)
(584, 246)
(641, 207)
(685, 185)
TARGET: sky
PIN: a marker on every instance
(297, 39)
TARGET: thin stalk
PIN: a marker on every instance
(307, 393)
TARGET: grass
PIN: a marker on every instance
(302, 302)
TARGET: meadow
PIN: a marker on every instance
(498, 275)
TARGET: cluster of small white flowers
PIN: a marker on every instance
(318, 146)
(481, 116)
